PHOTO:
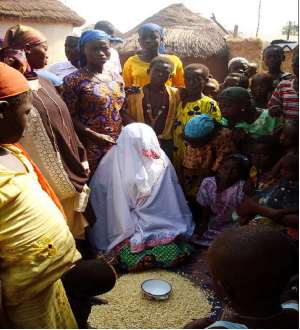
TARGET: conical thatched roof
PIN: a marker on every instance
(39, 10)
(186, 33)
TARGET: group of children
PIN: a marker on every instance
(234, 146)
(215, 145)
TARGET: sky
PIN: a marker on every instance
(126, 14)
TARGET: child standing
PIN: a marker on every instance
(151, 41)
(285, 99)
(240, 112)
(219, 196)
(280, 203)
(263, 153)
(155, 104)
(235, 79)
(193, 102)
(273, 56)
(261, 89)
(212, 88)
(208, 143)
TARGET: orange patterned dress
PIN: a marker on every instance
(96, 101)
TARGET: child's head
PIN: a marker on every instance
(273, 56)
(235, 103)
(15, 104)
(263, 152)
(234, 168)
(238, 65)
(150, 37)
(261, 85)
(290, 168)
(289, 135)
(72, 50)
(199, 130)
(160, 70)
(251, 265)
(105, 26)
(211, 88)
(252, 69)
(236, 79)
(195, 77)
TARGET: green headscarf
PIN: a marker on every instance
(239, 95)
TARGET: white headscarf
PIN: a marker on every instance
(135, 194)
(141, 159)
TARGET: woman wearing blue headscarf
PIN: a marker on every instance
(95, 98)
(135, 71)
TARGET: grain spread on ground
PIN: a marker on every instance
(128, 307)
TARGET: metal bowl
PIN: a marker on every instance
(156, 289)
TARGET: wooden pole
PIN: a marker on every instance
(289, 31)
(258, 18)
(235, 31)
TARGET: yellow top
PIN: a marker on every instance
(205, 105)
(135, 72)
(36, 246)
(136, 112)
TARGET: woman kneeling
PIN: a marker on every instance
(140, 208)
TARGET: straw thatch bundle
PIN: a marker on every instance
(40, 11)
(187, 34)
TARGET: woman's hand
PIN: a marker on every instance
(100, 139)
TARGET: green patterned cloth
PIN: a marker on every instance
(163, 256)
(263, 125)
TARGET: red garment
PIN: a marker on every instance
(12, 82)
(287, 99)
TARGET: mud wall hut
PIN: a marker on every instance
(250, 48)
(51, 17)
(188, 35)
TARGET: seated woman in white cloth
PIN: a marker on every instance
(141, 212)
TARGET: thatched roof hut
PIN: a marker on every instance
(45, 11)
(189, 35)
(51, 17)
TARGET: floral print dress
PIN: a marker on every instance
(222, 204)
(95, 100)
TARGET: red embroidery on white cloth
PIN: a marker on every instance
(149, 153)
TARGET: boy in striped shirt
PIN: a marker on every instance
(284, 101)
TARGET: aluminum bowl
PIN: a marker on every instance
(156, 289)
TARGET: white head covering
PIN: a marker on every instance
(136, 195)
(142, 159)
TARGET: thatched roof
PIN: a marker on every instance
(39, 10)
(186, 33)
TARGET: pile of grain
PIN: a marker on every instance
(128, 308)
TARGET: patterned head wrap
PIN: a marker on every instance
(16, 39)
(20, 36)
(199, 127)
